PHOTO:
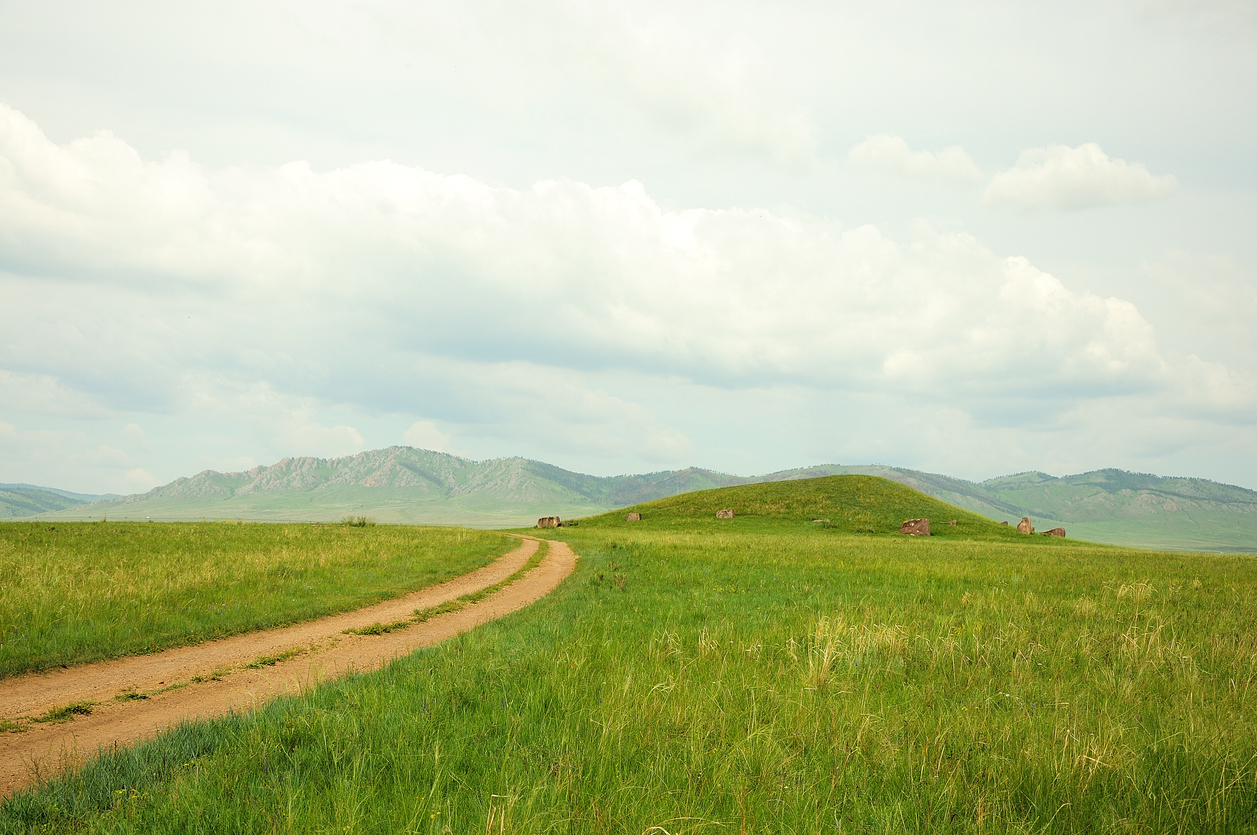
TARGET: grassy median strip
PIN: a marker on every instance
(66, 712)
(454, 605)
(274, 658)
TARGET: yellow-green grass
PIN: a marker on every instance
(783, 679)
(75, 592)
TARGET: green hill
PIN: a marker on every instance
(846, 504)
(25, 500)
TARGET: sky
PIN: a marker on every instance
(974, 238)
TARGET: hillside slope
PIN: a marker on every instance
(1110, 505)
(24, 500)
(848, 504)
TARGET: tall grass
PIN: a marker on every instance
(82, 591)
(802, 681)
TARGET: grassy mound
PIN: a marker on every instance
(841, 503)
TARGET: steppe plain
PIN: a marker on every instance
(799, 668)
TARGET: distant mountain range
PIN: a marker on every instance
(402, 484)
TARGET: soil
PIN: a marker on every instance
(312, 652)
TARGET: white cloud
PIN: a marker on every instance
(263, 298)
(424, 434)
(140, 480)
(890, 155)
(394, 263)
(1060, 177)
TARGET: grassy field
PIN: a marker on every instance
(82, 591)
(764, 674)
(390, 506)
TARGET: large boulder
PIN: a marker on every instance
(548, 522)
(632, 517)
(724, 514)
(915, 527)
(1055, 532)
(1024, 525)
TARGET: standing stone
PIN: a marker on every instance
(1055, 532)
(632, 517)
(548, 522)
(915, 527)
(724, 514)
(1024, 525)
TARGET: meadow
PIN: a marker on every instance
(762, 674)
(75, 592)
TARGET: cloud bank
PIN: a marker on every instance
(297, 266)
(269, 295)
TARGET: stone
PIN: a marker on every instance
(632, 517)
(915, 527)
(548, 522)
(724, 514)
(1055, 532)
(1024, 525)
(1005, 524)
(952, 523)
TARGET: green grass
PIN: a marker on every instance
(66, 712)
(333, 502)
(273, 659)
(834, 504)
(778, 678)
(77, 592)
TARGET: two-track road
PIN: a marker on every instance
(216, 677)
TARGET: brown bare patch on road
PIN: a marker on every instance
(136, 698)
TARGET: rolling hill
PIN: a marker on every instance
(406, 485)
(26, 500)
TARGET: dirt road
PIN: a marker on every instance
(312, 652)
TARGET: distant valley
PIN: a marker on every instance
(406, 485)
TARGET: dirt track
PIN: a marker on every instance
(229, 684)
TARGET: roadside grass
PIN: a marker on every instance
(76, 592)
(788, 681)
